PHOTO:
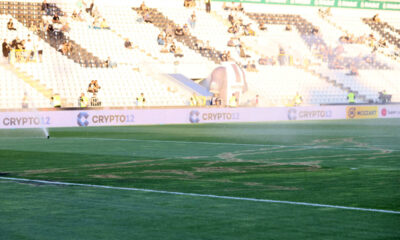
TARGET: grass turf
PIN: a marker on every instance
(349, 163)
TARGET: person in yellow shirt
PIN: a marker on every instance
(298, 99)
(233, 101)
(83, 101)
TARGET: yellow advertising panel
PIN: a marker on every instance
(361, 112)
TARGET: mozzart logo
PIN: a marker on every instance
(196, 117)
(361, 112)
(294, 114)
(84, 119)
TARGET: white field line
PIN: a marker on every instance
(235, 144)
(202, 195)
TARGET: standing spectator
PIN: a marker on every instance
(39, 49)
(192, 20)
(90, 9)
(104, 25)
(25, 101)
(160, 39)
(10, 25)
(83, 101)
(5, 48)
(298, 99)
(208, 6)
(128, 44)
(110, 64)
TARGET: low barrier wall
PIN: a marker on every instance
(88, 118)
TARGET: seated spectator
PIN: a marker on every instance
(224, 57)
(104, 24)
(147, 18)
(376, 18)
(46, 7)
(74, 16)
(160, 39)
(33, 28)
(164, 49)
(66, 48)
(178, 52)
(89, 10)
(233, 29)
(110, 64)
(56, 18)
(251, 67)
(179, 31)
(262, 27)
(143, 7)
(198, 44)
(225, 7)
(240, 7)
(263, 60)
(10, 25)
(6, 48)
(242, 53)
(207, 46)
(172, 48)
(232, 42)
(91, 88)
(128, 44)
(248, 31)
(66, 28)
(96, 24)
(353, 71)
(288, 28)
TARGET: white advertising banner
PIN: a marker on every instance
(88, 118)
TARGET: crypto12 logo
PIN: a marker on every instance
(82, 119)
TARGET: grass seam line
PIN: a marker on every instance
(201, 195)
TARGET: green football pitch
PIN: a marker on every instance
(212, 181)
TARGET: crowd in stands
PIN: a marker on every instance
(22, 50)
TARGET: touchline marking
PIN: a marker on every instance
(233, 144)
(201, 195)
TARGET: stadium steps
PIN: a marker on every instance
(162, 22)
(34, 83)
(27, 13)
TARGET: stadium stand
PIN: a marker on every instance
(321, 54)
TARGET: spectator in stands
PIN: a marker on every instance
(32, 27)
(90, 9)
(6, 48)
(110, 64)
(143, 7)
(251, 67)
(192, 20)
(288, 28)
(141, 100)
(242, 53)
(179, 31)
(128, 44)
(282, 56)
(263, 60)
(10, 25)
(262, 27)
(208, 6)
(66, 48)
(207, 46)
(39, 49)
(96, 24)
(29, 48)
(172, 48)
(353, 71)
(46, 7)
(65, 28)
(165, 48)
(104, 24)
(178, 52)
(248, 31)
(160, 39)
(224, 57)
(25, 101)
(147, 18)
(186, 29)
(56, 18)
(376, 18)
(240, 7)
